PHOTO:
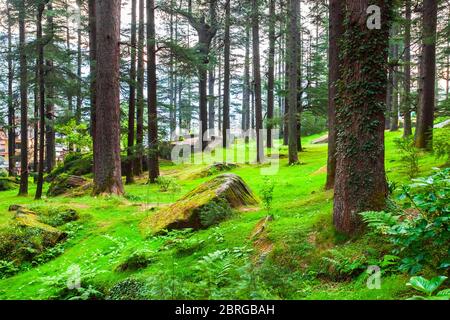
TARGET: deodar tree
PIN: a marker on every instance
(424, 130)
(361, 94)
(107, 168)
(336, 32)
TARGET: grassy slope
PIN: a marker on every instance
(301, 233)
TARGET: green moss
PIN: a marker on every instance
(109, 230)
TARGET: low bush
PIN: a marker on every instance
(419, 229)
(138, 259)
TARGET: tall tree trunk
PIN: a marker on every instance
(11, 110)
(389, 91)
(23, 190)
(108, 175)
(257, 81)
(132, 98)
(41, 82)
(219, 97)
(271, 72)
(360, 173)
(50, 156)
(79, 62)
(293, 73)
(69, 57)
(137, 167)
(246, 86)
(211, 98)
(153, 163)
(36, 119)
(226, 79)
(93, 71)
(300, 77)
(407, 127)
(395, 89)
(286, 85)
(424, 135)
(336, 33)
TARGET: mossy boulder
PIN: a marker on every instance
(74, 164)
(68, 185)
(187, 212)
(27, 219)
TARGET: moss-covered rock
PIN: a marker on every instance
(187, 212)
(50, 235)
(75, 164)
(68, 185)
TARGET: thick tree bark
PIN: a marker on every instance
(11, 109)
(293, 72)
(257, 81)
(107, 174)
(226, 79)
(153, 162)
(41, 82)
(336, 33)
(23, 190)
(271, 72)
(424, 134)
(360, 173)
(407, 127)
(132, 98)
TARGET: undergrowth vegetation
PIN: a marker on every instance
(296, 254)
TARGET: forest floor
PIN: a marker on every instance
(297, 256)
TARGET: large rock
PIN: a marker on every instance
(65, 184)
(186, 212)
(27, 219)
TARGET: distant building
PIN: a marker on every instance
(4, 150)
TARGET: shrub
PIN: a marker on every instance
(188, 246)
(7, 269)
(410, 155)
(166, 183)
(267, 193)
(3, 173)
(7, 184)
(441, 144)
(139, 259)
(56, 216)
(419, 230)
(214, 212)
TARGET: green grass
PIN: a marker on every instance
(301, 235)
